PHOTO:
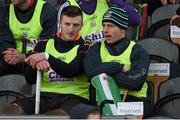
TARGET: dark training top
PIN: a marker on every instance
(60, 67)
(133, 79)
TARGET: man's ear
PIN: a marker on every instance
(81, 26)
(82, 23)
(124, 31)
(59, 24)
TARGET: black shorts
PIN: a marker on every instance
(51, 101)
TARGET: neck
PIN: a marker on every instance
(122, 36)
(25, 5)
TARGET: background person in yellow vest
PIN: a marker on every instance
(30, 19)
(126, 62)
(61, 61)
(93, 10)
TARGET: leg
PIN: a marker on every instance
(63, 103)
(94, 115)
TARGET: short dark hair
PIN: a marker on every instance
(71, 11)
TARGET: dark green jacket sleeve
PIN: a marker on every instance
(178, 11)
(93, 65)
(134, 79)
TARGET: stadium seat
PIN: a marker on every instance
(171, 86)
(7, 96)
(160, 21)
(12, 87)
(160, 30)
(150, 92)
(160, 51)
(169, 99)
(164, 12)
(165, 50)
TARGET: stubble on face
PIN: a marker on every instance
(112, 32)
(70, 27)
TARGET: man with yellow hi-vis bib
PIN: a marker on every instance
(24, 23)
(93, 11)
(63, 84)
(119, 58)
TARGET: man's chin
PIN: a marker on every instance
(109, 41)
(70, 39)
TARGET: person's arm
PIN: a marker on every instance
(178, 10)
(175, 20)
(75, 67)
(136, 76)
(1, 8)
(64, 69)
(6, 41)
(6, 37)
(93, 65)
(134, 18)
(31, 73)
(72, 69)
(48, 21)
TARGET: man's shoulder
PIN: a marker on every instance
(81, 42)
(178, 11)
(138, 46)
(48, 7)
(42, 42)
(139, 49)
(6, 9)
(95, 47)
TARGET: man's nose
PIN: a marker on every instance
(105, 29)
(71, 28)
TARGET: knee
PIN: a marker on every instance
(96, 114)
(12, 109)
(84, 111)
